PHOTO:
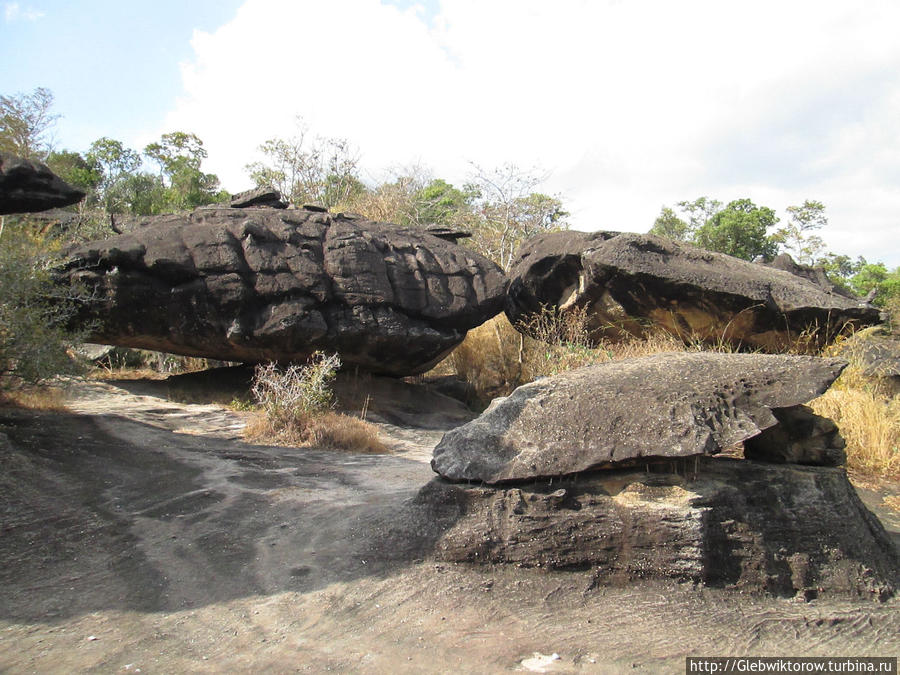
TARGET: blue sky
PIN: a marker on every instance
(628, 105)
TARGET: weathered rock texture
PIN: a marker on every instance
(781, 529)
(664, 406)
(876, 353)
(264, 284)
(629, 282)
(27, 186)
(800, 437)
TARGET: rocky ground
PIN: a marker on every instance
(138, 534)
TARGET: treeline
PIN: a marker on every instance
(745, 230)
(501, 207)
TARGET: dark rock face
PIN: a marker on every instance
(259, 197)
(637, 410)
(27, 186)
(781, 529)
(800, 437)
(629, 282)
(263, 284)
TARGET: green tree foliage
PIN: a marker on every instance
(33, 310)
(25, 123)
(797, 236)
(439, 203)
(75, 169)
(304, 170)
(740, 230)
(179, 156)
(876, 277)
(669, 225)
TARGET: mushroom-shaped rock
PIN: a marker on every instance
(27, 186)
(637, 410)
(262, 284)
(628, 282)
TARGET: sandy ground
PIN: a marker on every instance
(142, 535)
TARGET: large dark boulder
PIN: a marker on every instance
(628, 283)
(778, 529)
(662, 407)
(263, 284)
(27, 186)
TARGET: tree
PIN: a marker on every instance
(25, 122)
(507, 211)
(115, 163)
(669, 225)
(876, 277)
(796, 236)
(179, 156)
(75, 169)
(739, 230)
(34, 311)
(321, 170)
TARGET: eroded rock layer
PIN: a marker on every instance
(775, 528)
(672, 405)
(629, 282)
(27, 186)
(263, 284)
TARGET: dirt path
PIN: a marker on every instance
(142, 535)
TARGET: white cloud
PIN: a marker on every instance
(629, 105)
(13, 11)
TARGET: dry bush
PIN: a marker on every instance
(296, 407)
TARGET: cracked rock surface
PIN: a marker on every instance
(266, 284)
(629, 282)
(27, 186)
(624, 412)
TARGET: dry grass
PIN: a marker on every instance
(47, 398)
(321, 430)
(495, 358)
(868, 421)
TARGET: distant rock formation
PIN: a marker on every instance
(876, 352)
(628, 283)
(259, 284)
(29, 186)
(645, 409)
(607, 468)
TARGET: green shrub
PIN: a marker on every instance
(34, 340)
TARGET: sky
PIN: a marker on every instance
(625, 105)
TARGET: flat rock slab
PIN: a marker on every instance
(779, 529)
(664, 406)
(628, 283)
(262, 284)
(27, 186)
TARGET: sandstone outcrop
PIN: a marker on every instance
(261, 284)
(27, 186)
(608, 468)
(779, 529)
(629, 282)
(638, 410)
